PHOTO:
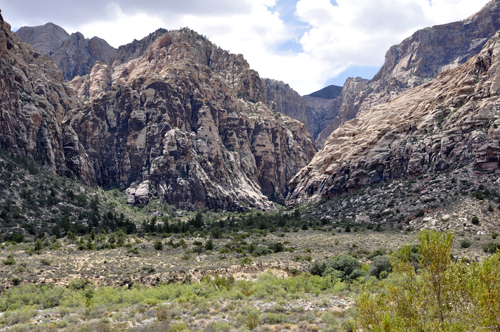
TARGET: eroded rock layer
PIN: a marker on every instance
(417, 60)
(34, 101)
(449, 122)
(180, 119)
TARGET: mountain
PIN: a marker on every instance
(73, 54)
(34, 100)
(46, 38)
(417, 60)
(312, 109)
(448, 123)
(177, 118)
(329, 92)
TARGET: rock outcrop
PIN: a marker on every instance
(314, 110)
(46, 38)
(417, 60)
(34, 101)
(449, 122)
(73, 54)
(192, 122)
(282, 98)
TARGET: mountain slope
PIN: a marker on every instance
(180, 119)
(449, 122)
(34, 101)
(419, 59)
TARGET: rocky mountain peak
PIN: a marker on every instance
(73, 54)
(177, 118)
(46, 38)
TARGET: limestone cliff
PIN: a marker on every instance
(176, 117)
(449, 122)
(419, 59)
(34, 101)
(73, 54)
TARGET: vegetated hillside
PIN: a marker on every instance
(415, 61)
(34, 203)
(444, 125)
(180, 119)
(73, 54)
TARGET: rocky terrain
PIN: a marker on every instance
(185, 121)
(34, 100)
(174, 117)
(445, 124)
(417, 60)
(73, 54)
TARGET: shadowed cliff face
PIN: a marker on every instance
(180, 119)
(34, 101)
(73, 54)
(449, 122)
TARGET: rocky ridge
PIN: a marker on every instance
(447, 123)
(34, 100)
(184, 121)
(417, 60)
(73, 54)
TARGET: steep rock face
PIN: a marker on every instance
(34, 101)
(77, 55)
(282, 98)
(73, 54)
(419, 59)
(449, 122)
(314, 110)
(45, 38)
(343, 108)
(191, 120)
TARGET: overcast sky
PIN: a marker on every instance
(306, 43)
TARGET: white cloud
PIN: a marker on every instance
(353, 32)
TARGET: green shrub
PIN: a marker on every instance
(342, 266)
(465, 243)
(475, 220)
(9, 261)
(78, 284)
(45, 262)
(379, 265)
(209, 245)
(491, 247)
(158, 245)
(261, 251)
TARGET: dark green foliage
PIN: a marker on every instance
(375, 253)
(381, 266)
(342, 267)
(209, 245)
(148, 269)
(475, 220)
(465, 243)
(158, 245)
(420, 213)
(9, 261)
(17, 237)
(277, 247)
(491, 247)
(261, 251)
(78, 284)
(317, 268)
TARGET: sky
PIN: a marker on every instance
(308, 44)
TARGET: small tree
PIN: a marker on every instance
(158, 245)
